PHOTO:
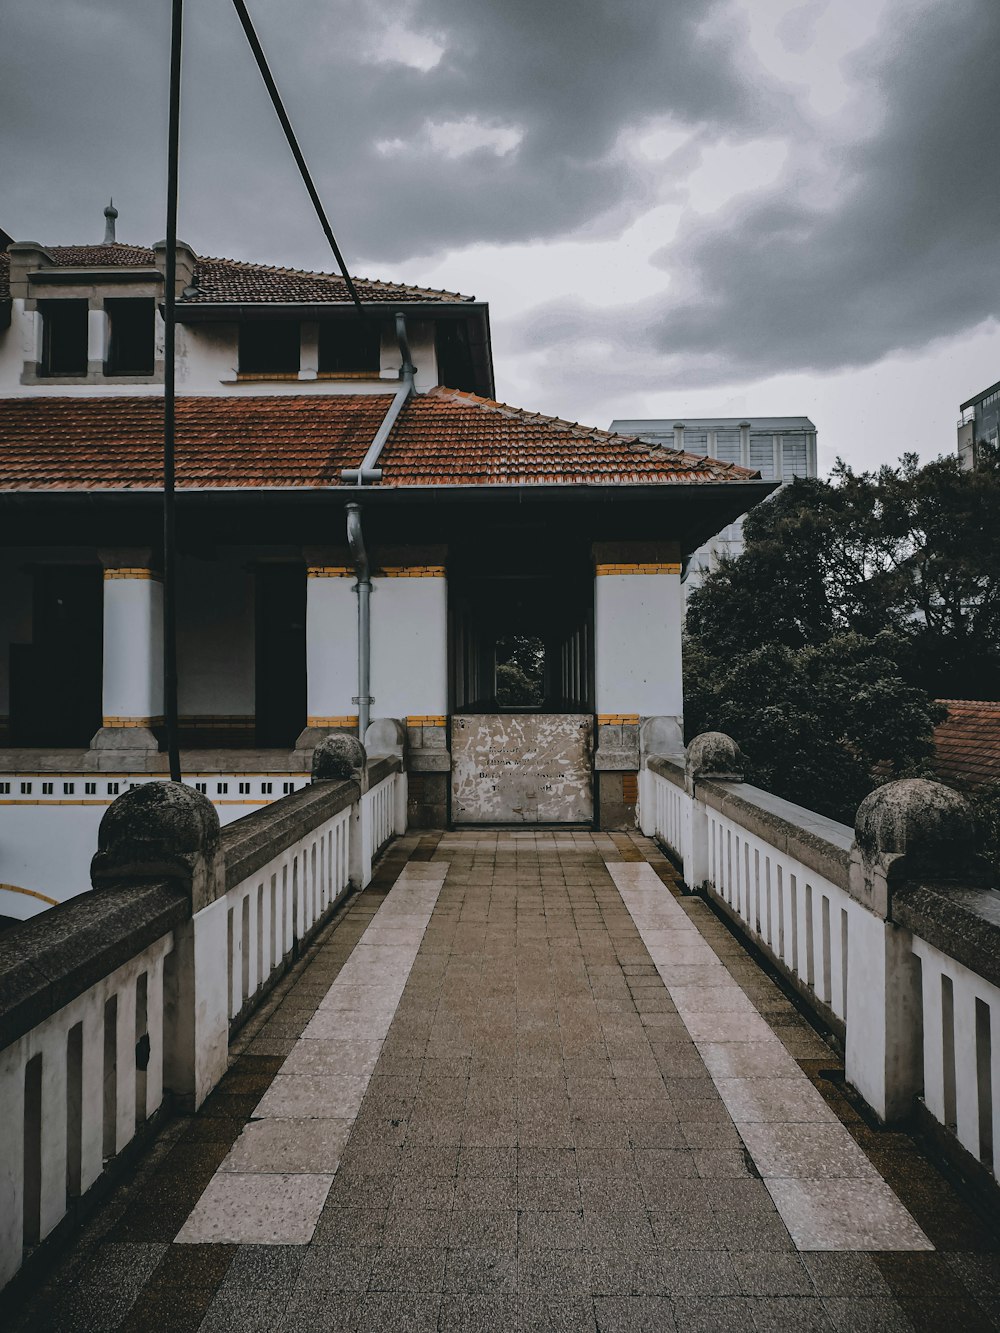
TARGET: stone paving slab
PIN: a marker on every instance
(537, 1141)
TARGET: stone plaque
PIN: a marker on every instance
(522, 768)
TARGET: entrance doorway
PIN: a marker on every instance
(522, 682)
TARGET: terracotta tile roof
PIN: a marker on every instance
(117, 443)
(233, 280)
(446, 437)
(967, 742)
(441, 438)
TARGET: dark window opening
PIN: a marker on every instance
(64, 337)
(454, 356)
(131, 349)
(520, 671)
(269, 347)
(350, 347)
(280, 675)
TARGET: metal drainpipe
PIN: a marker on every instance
(369, 472)
(356, 541)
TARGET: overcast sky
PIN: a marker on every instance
(674, 207)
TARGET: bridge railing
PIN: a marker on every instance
(890, 931)
(118, 1005)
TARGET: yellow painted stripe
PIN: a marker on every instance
(656, 568)
(132, 722)
(127, 573)
(411, 572)
(31, 893)
(426, 720)
(348, 720)
(617, 719)
(330, 572)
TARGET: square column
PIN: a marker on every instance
(132, 696)
(331, 650)
(638, 616)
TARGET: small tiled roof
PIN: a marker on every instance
(443, 438)
(233, 280)
(967, 742)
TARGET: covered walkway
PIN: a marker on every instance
(521, 1083)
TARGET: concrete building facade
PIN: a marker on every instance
(979, 422)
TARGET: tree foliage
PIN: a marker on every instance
(855, 603)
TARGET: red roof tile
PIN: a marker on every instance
(967, 743)
(233, 280)
(446, 437)
(441, 438)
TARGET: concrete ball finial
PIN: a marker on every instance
(160, 830)
(713, 754)
(931, 825)
(338, 756)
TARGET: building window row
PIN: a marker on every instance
(274, 347)
(131, 343)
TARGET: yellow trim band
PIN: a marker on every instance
(132, 722)
(128, 573)
(617, 719)
(426, 720)
(411, 572)
(330, 572)
(662, 568)
(348, 720)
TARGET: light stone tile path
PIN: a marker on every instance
(271, 1188)
(826, 1190)
(539, 1089)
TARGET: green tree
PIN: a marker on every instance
(856, 602)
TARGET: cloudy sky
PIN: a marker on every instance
(674, 207)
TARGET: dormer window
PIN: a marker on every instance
(64, 338)
(131, 348)
(269, 347)
(350, 347)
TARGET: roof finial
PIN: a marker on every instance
(110, 213)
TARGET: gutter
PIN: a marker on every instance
(369, 471)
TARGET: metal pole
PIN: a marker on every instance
(169, 317)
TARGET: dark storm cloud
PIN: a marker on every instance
(907, 249)
(84, 94)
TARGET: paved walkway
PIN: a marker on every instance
(522, 1084)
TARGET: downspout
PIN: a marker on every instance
(366, 473)
(369, 470)
(356, 541)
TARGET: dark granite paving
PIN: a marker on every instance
(540, 1147)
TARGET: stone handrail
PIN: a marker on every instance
(118, 1005)
(889, 931)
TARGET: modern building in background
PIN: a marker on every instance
(779, 448)
(980, 420)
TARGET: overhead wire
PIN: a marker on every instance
(293, 144)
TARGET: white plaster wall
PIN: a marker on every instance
(331, 647)
(215, 638)
(15, 615)
(409, 647)
(48, 847)
(133, 648)
(637, 642)
(207, 357)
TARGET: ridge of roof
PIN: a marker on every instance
(124, 254)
